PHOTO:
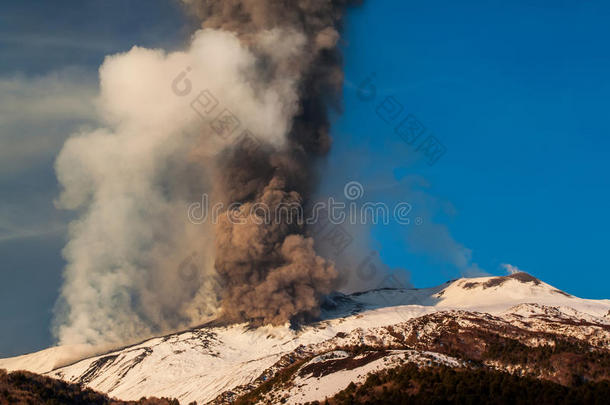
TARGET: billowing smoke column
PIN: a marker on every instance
(274, 66)
(270, 272)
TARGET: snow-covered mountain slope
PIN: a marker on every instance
(51, 358)
(484, 294)
(219, 363)
(324, 375)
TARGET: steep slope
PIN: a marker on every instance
(467, 318)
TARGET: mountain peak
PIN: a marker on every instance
(522, 277)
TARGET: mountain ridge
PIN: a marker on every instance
(215, 363)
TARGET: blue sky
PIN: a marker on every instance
(517, 93)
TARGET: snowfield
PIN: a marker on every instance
(211, 363)
(309, 387)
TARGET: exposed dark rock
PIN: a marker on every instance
(498, 281)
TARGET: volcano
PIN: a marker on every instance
(456, 325)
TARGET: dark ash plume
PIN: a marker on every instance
(270, 272)
(136, 264)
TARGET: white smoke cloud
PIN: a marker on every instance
(510, 269)
(128, 181)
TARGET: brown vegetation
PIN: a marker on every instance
(24, 388)
(409, 384)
